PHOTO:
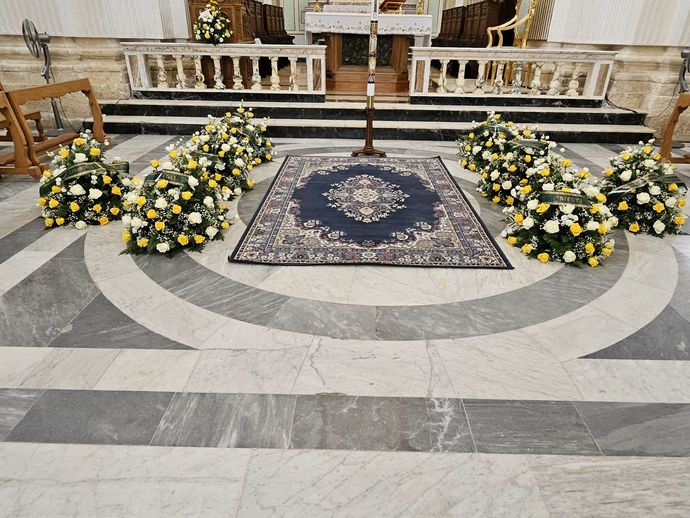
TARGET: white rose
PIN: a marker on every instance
(131, 197)
(208, 201)
(612, 222)
(126, 182)
(592, 225)
(237, 191)
(591, 191)
(507, 184)
(232, 140)
(80, 225)
(94, 194)
(225, 147)
(649, 163)
(79, 157)
(532, 204)
(167, 165)
(548, 187)
(220, 166)
(659, 226)
(193, 182)
(654, 190)
(204, 138)
(194, 217)
(494, 175)
(568, 208)
(211, 232)
(626, 175)
(551, 226)
(77, 190)
(162, 247)
(136, 222)
(203, 161)
(568, 177)
(643, 198)
(239, 162)
(476, 149)
(126, 220)
(250, 149)
(160, 203)
(569, 256)
(528, 222)
(671, 202)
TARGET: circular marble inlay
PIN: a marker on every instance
(365, 198)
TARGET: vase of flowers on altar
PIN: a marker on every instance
(82, 188)
(485, 143)
(645, 194)
(212, 26)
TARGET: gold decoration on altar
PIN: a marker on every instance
(520, 23)
(420, 6)
(317, 7)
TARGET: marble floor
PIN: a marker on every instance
(197, 387)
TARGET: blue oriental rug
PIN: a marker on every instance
(393, 211)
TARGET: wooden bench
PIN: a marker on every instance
(28, 156)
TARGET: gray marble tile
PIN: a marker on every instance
(101, 324)
(654, 429)
(667, 337)
(383, 424)
(34, 311)
(14, 404)
(21, 238)
(536, 427)
(227, 421)
(92, 417)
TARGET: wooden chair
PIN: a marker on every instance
(34, 115)
(682, 104)
(28, 155)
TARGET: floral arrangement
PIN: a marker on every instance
(82, 189)
(173, 210)
(485, 143)
(646, 196)
(562, 216)
(212, 26)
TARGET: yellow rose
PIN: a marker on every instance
(528, 159)
(97, 207)
(625, 156)
(257, 160)
(240, 110)
(208, 128)
(471, 135)
(182, 239)
(47, 173)
(64, 153)
(634, 227)
(589, 248)
(114, 211)
(49, 222)
(221, 153)
(527, 133)
(496, 186)
(658, 207)
(116, 190)
(545, 172)
(195, 138)
(141, 201)
(681, 202)
(126, 237)
(679, 220)
(225, 224)
(103, 220)
(583, 174)
(607, 251)
(489, 143)
(176, 209)
(575, 229)
(250, 183)
(512, 240)
(60, 221)
(623, 205)
(250, 167)
(55, 189)
(519, 218)
(510, 200)
(212, 184)
(191, 164)
(526, 189)
(593, 261)
(186, 195)
(647, 149)
(159, 225)
(142, 242)
(94, 151)
(74, 206)
(268, 143)
(268, 156)
(472, 167)
(495, 199)
(205, 148)
(106, 179)
(608, 171)
(79, 141)
(566, 162)
(594, 208)
(233, 130)
(151, 214)
(543, 257)
(542, 208)
(601, 198)
(53, 203)
(485, 175)
(162, 184)
(172, 154)
(198, 239)
(602, 229)
(512, 168)
(42, 201)
(673, 187)
(526, 248)
(217, 177)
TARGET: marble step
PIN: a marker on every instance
(384, 129)
(384, 111)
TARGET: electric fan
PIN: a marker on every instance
(37, 45)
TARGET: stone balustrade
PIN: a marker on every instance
(510, 72)
(186, 66)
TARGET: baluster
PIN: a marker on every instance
(275, 79)
(535, 85)
(236, 74)
(198, 74)
(293, 75)
(162, 76)
(460, 83)
(574, 83)
(479, 83)
(442, 78)
(256, 77)
(517, 80)
(555, 84)
(217, 74)
(181, 77)
(498, 80)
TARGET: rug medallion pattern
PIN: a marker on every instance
(392, 211)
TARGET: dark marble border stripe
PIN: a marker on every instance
(21, 238)
(331, 421)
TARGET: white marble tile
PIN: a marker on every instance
(504, 366)
(369, 368)
(84, 481)
(16, 363)
(236, 334)
(149, 370)
(327, 283)
(633, 302)
(70, 369)
(247, 371)
(102, 253)
(638, 381)
(365, 484)
(138, 146)
(613, 486)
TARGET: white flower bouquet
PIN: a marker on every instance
(82, 189)
(645, 195)
(212, 26)
(485, 143)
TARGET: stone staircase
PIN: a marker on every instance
(296, 115)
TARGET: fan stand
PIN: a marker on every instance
(45, 72)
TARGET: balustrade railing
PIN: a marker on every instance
(238, 67)
(510, 72)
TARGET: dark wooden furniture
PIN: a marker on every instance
(274, 26)
(682, 104)
(466, 26)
